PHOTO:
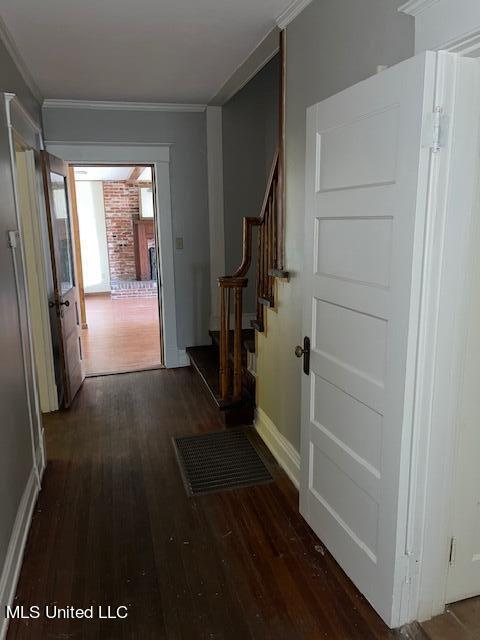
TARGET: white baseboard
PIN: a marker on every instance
(13, 561)
(176, 358)
(282, 450)
(183, 359)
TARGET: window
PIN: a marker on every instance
(146, 202)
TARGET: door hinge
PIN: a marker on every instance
(453, 552)
(437, 129)
(12, 239)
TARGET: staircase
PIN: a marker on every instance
(222, 365)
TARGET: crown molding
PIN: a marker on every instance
(291, 12)
(12, 99)
(19, 62)
(414, 7)
(122, 106)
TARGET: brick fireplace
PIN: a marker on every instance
(129, 242)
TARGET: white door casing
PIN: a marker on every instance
(463, 580)
(157, 154)
(464, 567)
(368, 167)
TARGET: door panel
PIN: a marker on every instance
(65, 302)
(61, 232)
(367, 174)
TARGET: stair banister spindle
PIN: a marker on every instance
(224, 332)
(237, 346)
(267, 268)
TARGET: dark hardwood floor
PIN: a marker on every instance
(113, 526)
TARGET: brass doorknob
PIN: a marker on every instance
(299, 351)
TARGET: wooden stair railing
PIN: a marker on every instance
(233, 286)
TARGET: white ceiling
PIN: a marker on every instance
(137, 50)
(109, 173)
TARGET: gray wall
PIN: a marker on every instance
(331, 45)
(15, 448)
(188, 176)
(250, 133)
(12, 82)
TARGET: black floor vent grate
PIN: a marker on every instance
(218, 461)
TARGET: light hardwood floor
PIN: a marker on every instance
(122, 335)
(461, 621)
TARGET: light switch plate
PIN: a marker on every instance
(178, 243)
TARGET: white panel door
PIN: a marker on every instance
(368, 158)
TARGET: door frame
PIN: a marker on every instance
(158, 155)
(22, 127)
(450, 235)
(439, 26)
(78, 250)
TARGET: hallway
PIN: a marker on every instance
(113, 526)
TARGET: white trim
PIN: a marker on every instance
(25, 323)
(84, 151)
(11, 47)
(13, 561)
(414, 7)
(282, 450)
(291, 12)
(446, 25)
(22, 121)
(159, 156)
(90, 143)
(215, 205)
(453, 203)
(182, 358)
(468, 45)
(123, 106)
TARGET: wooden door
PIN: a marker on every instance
(65, 301)
(367, 177)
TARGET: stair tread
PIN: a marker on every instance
(265, 301)
(205, 361)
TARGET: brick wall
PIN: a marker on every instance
(121, 204)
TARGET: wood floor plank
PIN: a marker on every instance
(122, 335)
(113, 525)
(468, 612)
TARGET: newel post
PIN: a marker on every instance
(237, 285)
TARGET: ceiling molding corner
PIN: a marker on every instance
(291, 12)
(251, 65)
(19, 62)
(415, 7)
(107, 105)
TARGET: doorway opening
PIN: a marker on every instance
(117, 264)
